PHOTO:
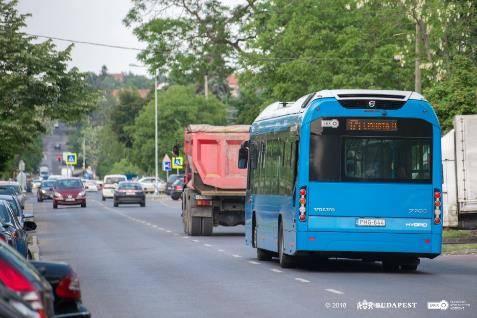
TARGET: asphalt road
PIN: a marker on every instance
(57, 136)
(135, 262)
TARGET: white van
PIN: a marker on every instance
(110, 183)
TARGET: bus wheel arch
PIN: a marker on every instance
(286, 261)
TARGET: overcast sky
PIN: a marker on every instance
(88, 20)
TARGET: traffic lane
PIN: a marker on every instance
(130, 269)
(437, 278)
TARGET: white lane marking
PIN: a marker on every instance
(254, 263)
(334, 291)
(207, 245)
(276, 270)
(197, 241)
(161, 228)
(176, 234)
(185, 237)
(236, 255)
(302, 280)
(220, 250)
(168, 231)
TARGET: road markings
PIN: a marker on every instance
(220, 250)
(207, 245)
(197, 241)
(185, 237)
(236, 256)
(254, 263)
(334, 291)
(276, 270)
(302, 280)
(168, 231)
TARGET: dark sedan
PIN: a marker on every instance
(45, 191)
(15, 205)
(173, 178)
(129, 193)
(177, 189)
(17, 233)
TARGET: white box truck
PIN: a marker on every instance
(459, 163)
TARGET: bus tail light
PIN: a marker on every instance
(302, 201)
(437, 206)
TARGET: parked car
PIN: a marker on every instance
(177, 189)
(17, 232)
(13, 188)
(45, 191)
(51, 288)
(66, 289)
(36, 183)
(90, 186)
(13, 306)
(172, 178)
(69, 191)
(148, 184)
(15, 206)
(109, 185)
(129, 192)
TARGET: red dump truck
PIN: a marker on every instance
(215, 188)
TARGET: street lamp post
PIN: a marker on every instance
(156, 133)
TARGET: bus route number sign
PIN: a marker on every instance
(371, 125)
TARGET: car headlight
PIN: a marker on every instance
(42, 191)
(58, 195)
(81, 194)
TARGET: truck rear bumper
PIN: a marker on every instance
(423, 245)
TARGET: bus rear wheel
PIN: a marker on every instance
(262, 255)
(286, 261)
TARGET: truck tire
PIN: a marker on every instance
(195, 226)
(207, 226)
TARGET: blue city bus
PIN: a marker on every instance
(346, 174)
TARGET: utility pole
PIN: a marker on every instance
(84, 154)
(156, 132)
(417, 63)
(206, 86)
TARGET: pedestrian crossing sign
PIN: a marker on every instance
(71, 159)
(177, 162)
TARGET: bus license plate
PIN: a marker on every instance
(371, 222)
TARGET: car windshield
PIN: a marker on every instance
(112, 180)
(48, 184)
(8, 189)
(69, 184)
(4, 215)
(130, 186)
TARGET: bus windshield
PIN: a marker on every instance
(401, 152)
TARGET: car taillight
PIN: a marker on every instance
(178, 188)
(13, 279)
(437, 206)
(69, 287)
(302, 207)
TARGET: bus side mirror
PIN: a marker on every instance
(243, 156)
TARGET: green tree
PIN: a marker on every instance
(123, 166)
(200, 41)
(179, 106)
(35, 85)
(123, 115)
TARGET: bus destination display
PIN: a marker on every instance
(371, 125)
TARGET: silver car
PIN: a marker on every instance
(13, 188)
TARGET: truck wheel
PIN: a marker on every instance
(195, 226)
(207, 226)
(286, 261)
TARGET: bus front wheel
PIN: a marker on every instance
(286, 261)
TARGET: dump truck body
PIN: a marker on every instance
(215, 187)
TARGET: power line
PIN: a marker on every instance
(87, 42)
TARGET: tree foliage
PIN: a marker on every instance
(35, 85)
(124, 114)
(178, 107)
